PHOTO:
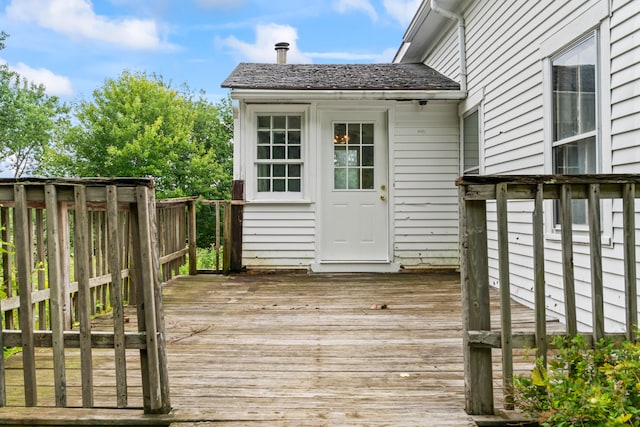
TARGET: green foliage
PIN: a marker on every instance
(139, 126)
(28, 120)
(584, 386)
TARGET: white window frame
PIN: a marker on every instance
(252, 162)
(594, 21)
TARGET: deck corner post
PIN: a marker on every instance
(475, 304)
(191, 221)
(237, 216)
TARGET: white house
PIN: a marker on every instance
(347, 168)
(551, 87)
(477, 87)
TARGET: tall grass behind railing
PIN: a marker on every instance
(74, 248)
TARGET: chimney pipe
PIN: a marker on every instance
(281, 49)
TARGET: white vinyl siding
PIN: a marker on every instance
(426, 165)
(506, 44)
(278, 235)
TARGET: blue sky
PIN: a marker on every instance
(72, 46)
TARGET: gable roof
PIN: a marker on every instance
(387, 77)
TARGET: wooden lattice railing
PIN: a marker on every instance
(478, 337)
(73, 248)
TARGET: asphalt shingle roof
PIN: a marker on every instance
(338, 77)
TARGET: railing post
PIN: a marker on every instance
(475, 304)
(23, 252)
(237, 213)
(191, 215)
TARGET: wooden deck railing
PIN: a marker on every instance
(74, 248)
(478, 337)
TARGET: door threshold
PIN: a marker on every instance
(354, 267)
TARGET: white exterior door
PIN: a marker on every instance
(354, 188)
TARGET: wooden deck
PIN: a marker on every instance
(292, 350)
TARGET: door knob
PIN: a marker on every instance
(383, 197)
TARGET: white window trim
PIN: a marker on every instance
(252, 193)
(595, 20)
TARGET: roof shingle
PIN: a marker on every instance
(338, 77)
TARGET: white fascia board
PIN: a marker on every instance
(265, 95)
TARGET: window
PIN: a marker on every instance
(279, 153)
(353, 156)
(574, 82)
(471, 144)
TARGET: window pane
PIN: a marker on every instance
(294, 171)
(294, 185)
(576, 158)
(354, 133)
(293, 153)
(353, 157)
(264, 137)
(339, 133)
(264, 122)
(263, 152)
(339, 156)
(294, 137)
(294, 122)
(367, 133)
(278, 151)
(264, 185)
(367, 179)
(279, 122)
(279, 185)
(264, 171)
(340, 179)
(278, 137)
(471, 138)
(574, 91)
(367, 156)
(279, 170)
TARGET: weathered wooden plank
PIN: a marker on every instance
(566, 225)
(117, 303)
(56, 287)
(71, 339)
(475, 305)
(526, 340)
(163, 363)
(629, 227)
(23, 255)
(40, 266)
(7, 259)
(595, 245)
(82, 265)
(539, 275)
(505, 293)
(146, 280)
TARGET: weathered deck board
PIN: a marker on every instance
(292, 350)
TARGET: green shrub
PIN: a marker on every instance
(584, 386)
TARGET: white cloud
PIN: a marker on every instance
(343, 6)
(344, 56)
(402, 10)
(76, 18)
(263, 49)
(55, 84)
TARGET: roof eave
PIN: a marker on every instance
(351, 95)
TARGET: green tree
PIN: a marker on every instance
(138, 125)
(28, 119)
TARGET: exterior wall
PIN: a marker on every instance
(423, 153)
(506, 44)
(425, 169)
(278, 235)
